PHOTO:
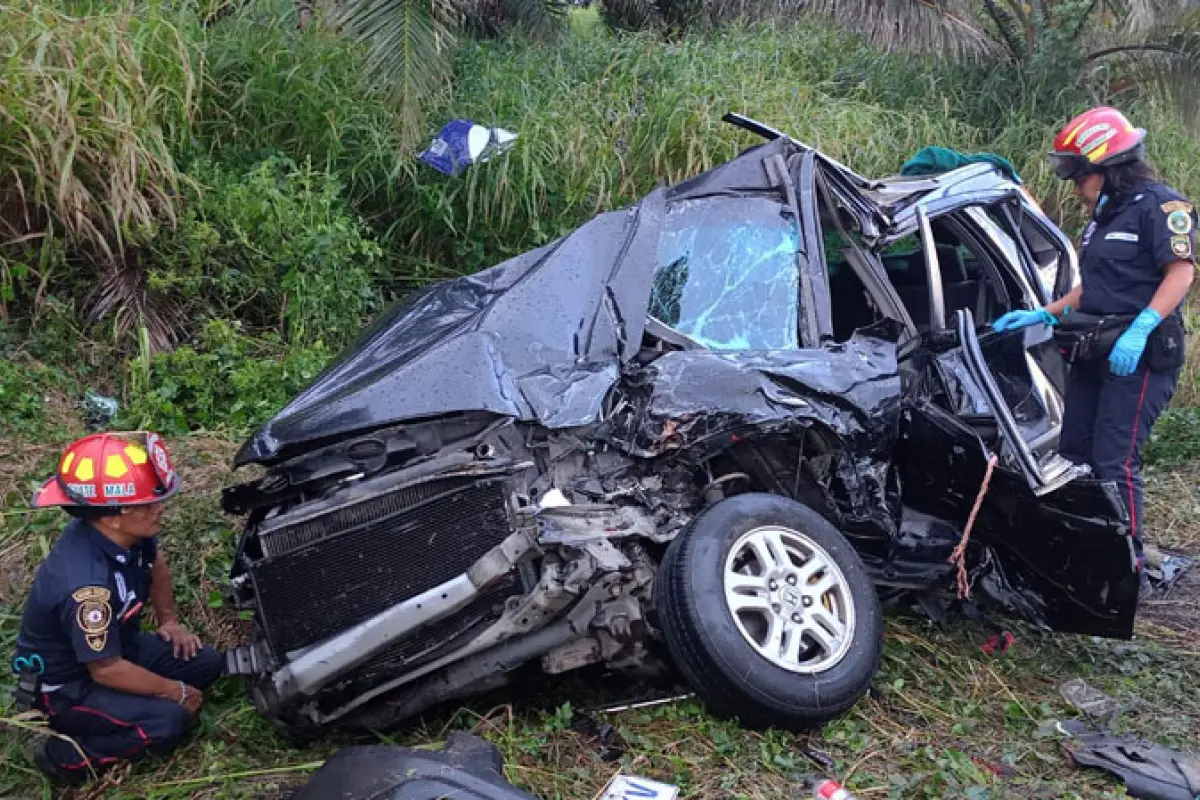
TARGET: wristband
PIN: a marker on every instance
(182, 693)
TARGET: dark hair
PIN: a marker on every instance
(91, 513)
(1124, 178)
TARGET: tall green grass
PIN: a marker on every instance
(603, 118)
(92, 109)
(103, 113)
(272, 87)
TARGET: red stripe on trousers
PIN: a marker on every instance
(146, 742)
(1137, 415)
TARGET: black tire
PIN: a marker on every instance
(732, 678)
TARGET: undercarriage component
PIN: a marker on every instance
(586, 594)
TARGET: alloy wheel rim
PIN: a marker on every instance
(789, 599)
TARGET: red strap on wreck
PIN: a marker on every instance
(959, 556)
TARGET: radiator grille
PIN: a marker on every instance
(346, 577)
(293, 537)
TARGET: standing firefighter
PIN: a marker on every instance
(82, 657)
(1121, 330)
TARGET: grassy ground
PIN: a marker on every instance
(944, 720)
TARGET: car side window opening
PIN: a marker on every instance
(1048, 254)
(972, 276)
(727, 273)
(850, 304)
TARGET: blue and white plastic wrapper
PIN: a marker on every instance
(631, 787)
(462, 142)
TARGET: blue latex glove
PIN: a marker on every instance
(1015, 320)
(1127, 352)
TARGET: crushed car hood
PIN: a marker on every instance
(541, 337)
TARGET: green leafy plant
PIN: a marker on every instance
(274, 87)
(410, 43)
(225, 380)
(274, 246)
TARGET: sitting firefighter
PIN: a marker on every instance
(82, 657)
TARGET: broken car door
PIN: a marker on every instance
(1056, 544)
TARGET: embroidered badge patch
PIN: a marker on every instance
(1181, 246)
(1180, 222)
(93, 615)
(1177, 205)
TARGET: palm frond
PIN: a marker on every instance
(408, 45)
(629, 15)
(543, 19)
(1009, 27)
(1164, 62)
(940, 26)
(123, 295)
(1141, 17)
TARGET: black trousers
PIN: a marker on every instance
(1107, 421)
(110, 726)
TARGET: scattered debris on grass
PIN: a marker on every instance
(1148, 771)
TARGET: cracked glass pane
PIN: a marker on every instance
(727, 274)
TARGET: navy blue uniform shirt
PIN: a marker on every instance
(86, 602)
(1128, 244)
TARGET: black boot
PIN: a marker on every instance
(58, 775)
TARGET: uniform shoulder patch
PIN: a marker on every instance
(1181, 246)
(1179, 222)
(93, 615)
(1177, 205)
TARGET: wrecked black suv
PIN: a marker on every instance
(713, 430)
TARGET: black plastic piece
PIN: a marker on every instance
(1148, 770)
(467, 768)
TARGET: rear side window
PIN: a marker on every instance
(727, 274)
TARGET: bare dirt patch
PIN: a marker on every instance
(1172, 510)
(1175, 615)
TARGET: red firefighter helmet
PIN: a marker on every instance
(1100, 137)
(111, 470)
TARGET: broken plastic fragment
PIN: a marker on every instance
(1088, 699)
(99, 410)
(998, 643)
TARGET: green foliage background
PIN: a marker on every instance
(203, 201)
(270, 203)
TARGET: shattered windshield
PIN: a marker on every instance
(727, 274)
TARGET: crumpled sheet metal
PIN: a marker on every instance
(539, 337)
(853, 389)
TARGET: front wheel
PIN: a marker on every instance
(769, 613)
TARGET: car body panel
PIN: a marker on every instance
(632, 371)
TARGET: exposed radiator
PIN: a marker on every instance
(397, 545)
(292, 537)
